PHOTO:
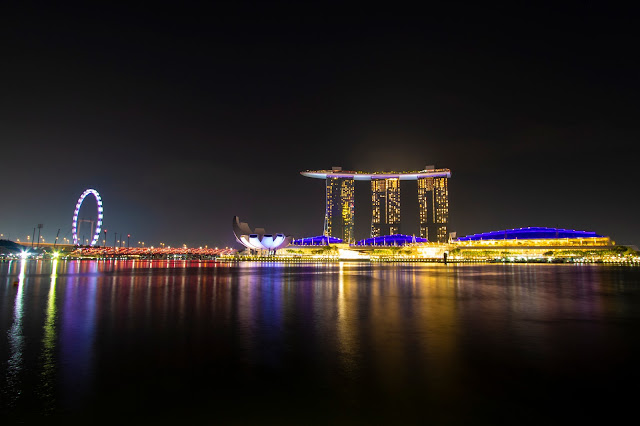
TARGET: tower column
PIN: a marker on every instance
(385, 204)
(378, 206)
(441, 208)
(433, 208)
(328, 216)
(340, 209)
(347, 210)
(393, 205)
(425, 188)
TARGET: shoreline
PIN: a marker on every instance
(618, 262)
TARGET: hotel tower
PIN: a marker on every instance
(433, 202)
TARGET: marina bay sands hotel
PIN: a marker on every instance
(433, 201)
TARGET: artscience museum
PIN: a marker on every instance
(258, 239)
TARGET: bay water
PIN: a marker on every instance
(168, 342)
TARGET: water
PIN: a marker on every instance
(173, 342)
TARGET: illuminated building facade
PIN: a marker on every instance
(533, 242)
(339, 213)
(391, 240)
(433, 202)
(385, 203)
(320, 240)
(433, 205)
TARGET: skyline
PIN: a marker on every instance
(121, 243)
(182, 119)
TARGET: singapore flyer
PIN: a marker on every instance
(74, 226)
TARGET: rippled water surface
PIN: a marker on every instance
(343, 343)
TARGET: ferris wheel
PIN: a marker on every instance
(74, 226)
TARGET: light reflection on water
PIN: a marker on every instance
(349, 341)
(16, 341)
(48, 363)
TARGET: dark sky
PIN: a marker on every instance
(184, 117)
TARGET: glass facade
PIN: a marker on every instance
(393, 205)
(338, 221)
(440, 209)
(347, 210)
(378, 205)
(328, 217)
(385, 204)
(425, 188)
(433, 206)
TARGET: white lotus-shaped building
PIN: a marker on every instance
(258, 239)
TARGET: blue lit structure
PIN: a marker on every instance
(391, 240)
(531, 233)
(321, 240)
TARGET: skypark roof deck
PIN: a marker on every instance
(359, 175)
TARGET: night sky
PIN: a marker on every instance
(184, 117)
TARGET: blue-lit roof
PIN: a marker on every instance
(391, 240)
(531, 233)
(320, 240)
